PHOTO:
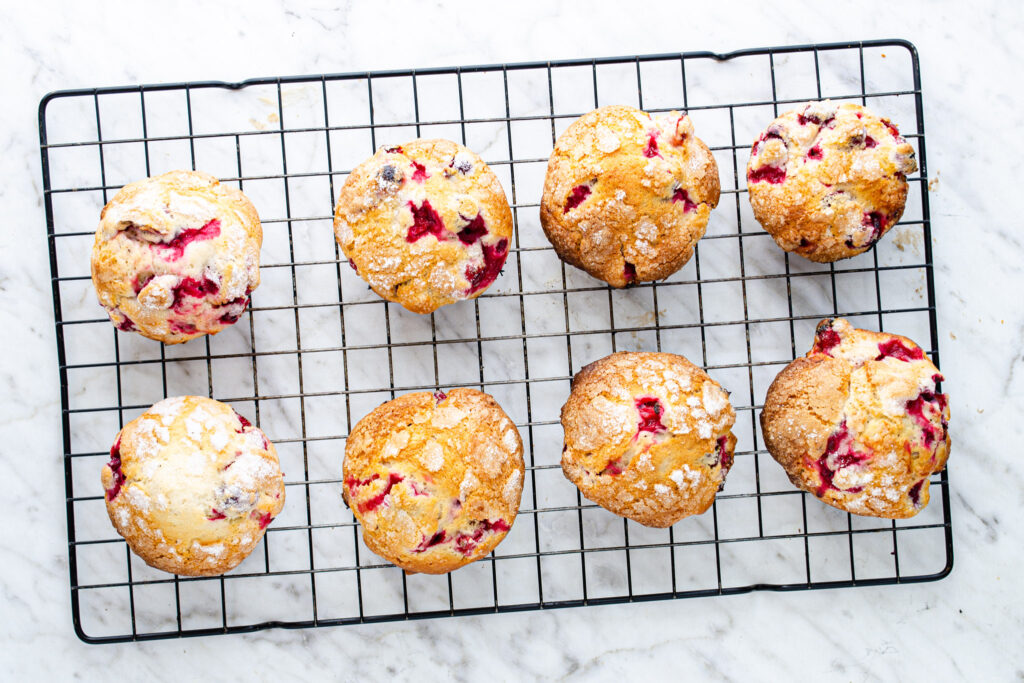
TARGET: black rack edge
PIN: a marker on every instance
(513, 608)
(477, 68)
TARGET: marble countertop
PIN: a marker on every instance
(968, 625)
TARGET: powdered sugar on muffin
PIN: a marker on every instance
(827, 181)
(191, 486)
(176, 256)
(627, 194)
(647, 436)
(435, 480)
(859, 421)
(425, 223)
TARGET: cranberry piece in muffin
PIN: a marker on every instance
(176, 256)
(828, 181)
(627, 194)
(425, 223)
(647, 436)
(434, 479)
(859, 422)
(191, 486)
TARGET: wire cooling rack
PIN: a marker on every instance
(318, 350)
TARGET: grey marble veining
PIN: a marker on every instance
(966, 626)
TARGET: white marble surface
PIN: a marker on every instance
(966, 626)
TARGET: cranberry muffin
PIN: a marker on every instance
(176, 256)
(191, 486)
(859, 421)
(647, 436)
(827, 181)
(435, 480)
(627, 194)
(425, 223)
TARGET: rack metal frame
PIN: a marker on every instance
(519, 294)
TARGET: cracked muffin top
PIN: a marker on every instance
(827, 181)
(627, 194)
(191, 485)
(424, 223)
(435, 480)
(176, 256)
(859, 422)
(648, 436)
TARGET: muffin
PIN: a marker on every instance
(191, 486)
(425, 223)
(176, 256)
(627, 194)
(859, 421)
(434, 479)
(647, 436)
(827, 181)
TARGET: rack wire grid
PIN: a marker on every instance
(318, 350)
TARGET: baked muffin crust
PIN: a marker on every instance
(191, 486)
(435, 480)
(627, 194)
(176, 256)
(425, 223)
(827, 181)
(647, 436)
(859, 421)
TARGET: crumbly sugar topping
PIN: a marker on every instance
(176, 256)
(668, 437)
(452, 491)
(191, 472)
(468, 485)
(448, 416)
(432, 456)
(513, 487)
(425, 223)
(827, 181)
(859, 421)
(715, 399)
(607, 140)
(626, 195)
